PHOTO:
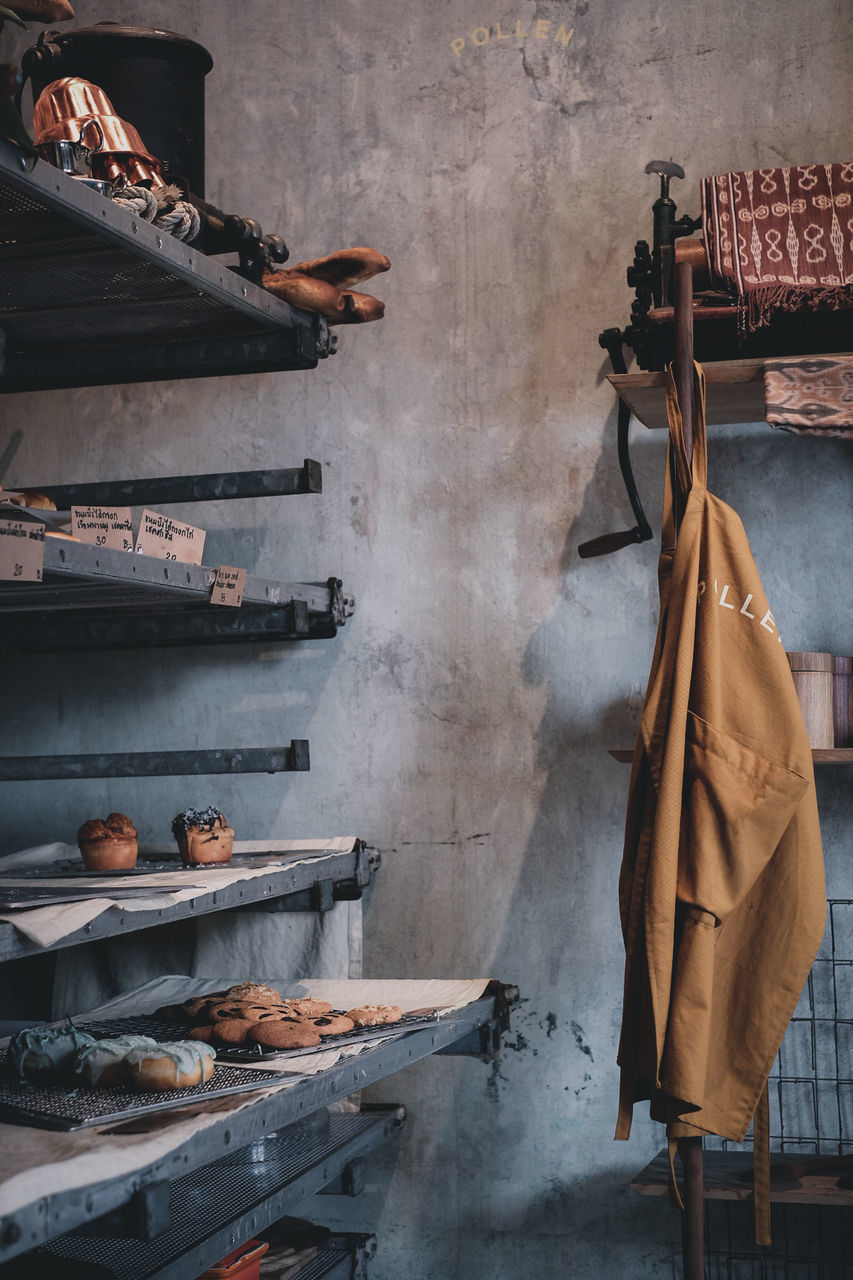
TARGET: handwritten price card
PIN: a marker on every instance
(228, 586)
(103, 526)
(167, 539)
(21, 551)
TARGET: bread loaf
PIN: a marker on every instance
(41, 10)
(305, 292)
(345, 267)
(359, 308)
(34, 499)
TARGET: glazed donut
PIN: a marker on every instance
(178, 1064)
(46, 1051)
(103, 1062)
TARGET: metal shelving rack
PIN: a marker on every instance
(90, 295)
(116, 300)
(242, 1195)
(100, 598)
(313, 883)
(144, 1193)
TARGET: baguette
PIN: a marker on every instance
(344, 268)
(359, 308)
(41, 10)
(306, 292)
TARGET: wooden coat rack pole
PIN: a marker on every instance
(683, 355)
(689, 1149)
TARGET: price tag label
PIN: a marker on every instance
(103, 526)
(168, 539)
(228, 586)
(21, 551)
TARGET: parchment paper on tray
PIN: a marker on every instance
(443, 995)
(411, 994)
(50, 924)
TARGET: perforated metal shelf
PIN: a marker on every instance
(199, 1143)
(95, 597)
(92, 295)
(216, 1209)
(298, 881)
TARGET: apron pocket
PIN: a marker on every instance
(736, 807)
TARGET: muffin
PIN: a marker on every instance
(108, 845)
(203, 836)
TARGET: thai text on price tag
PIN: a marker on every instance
(166, 539)
(228, 586)
(103, 526)
(21, 550)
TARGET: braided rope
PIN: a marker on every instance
(138, 200)
(176, 217)
(182, 221)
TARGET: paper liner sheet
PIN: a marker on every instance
(50, 924)
(38, 1163)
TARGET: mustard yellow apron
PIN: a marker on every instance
(721, 889)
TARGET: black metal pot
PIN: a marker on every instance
(154, 79)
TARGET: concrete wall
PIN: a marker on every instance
(461, 721)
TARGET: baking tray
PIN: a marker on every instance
(51, 1106)
(408, 1022)
(73, 869)
(143, 1024)
(18, 898)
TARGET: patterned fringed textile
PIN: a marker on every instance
(810, 395)
(781, 239)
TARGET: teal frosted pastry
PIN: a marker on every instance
(46, 1051)
(102, 1063)
(177, 1064)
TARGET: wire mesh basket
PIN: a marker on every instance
(811, 1113)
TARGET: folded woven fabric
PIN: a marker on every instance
(780, 239)
(810, 396)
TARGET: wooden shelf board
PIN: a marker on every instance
(727, 1176)
(820, 755)
(735, 393)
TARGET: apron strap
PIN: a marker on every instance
(682, 476)
(761, 1166)
(674, 1192)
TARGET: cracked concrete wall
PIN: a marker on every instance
(461, 721)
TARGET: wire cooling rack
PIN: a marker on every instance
(54, 1106)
